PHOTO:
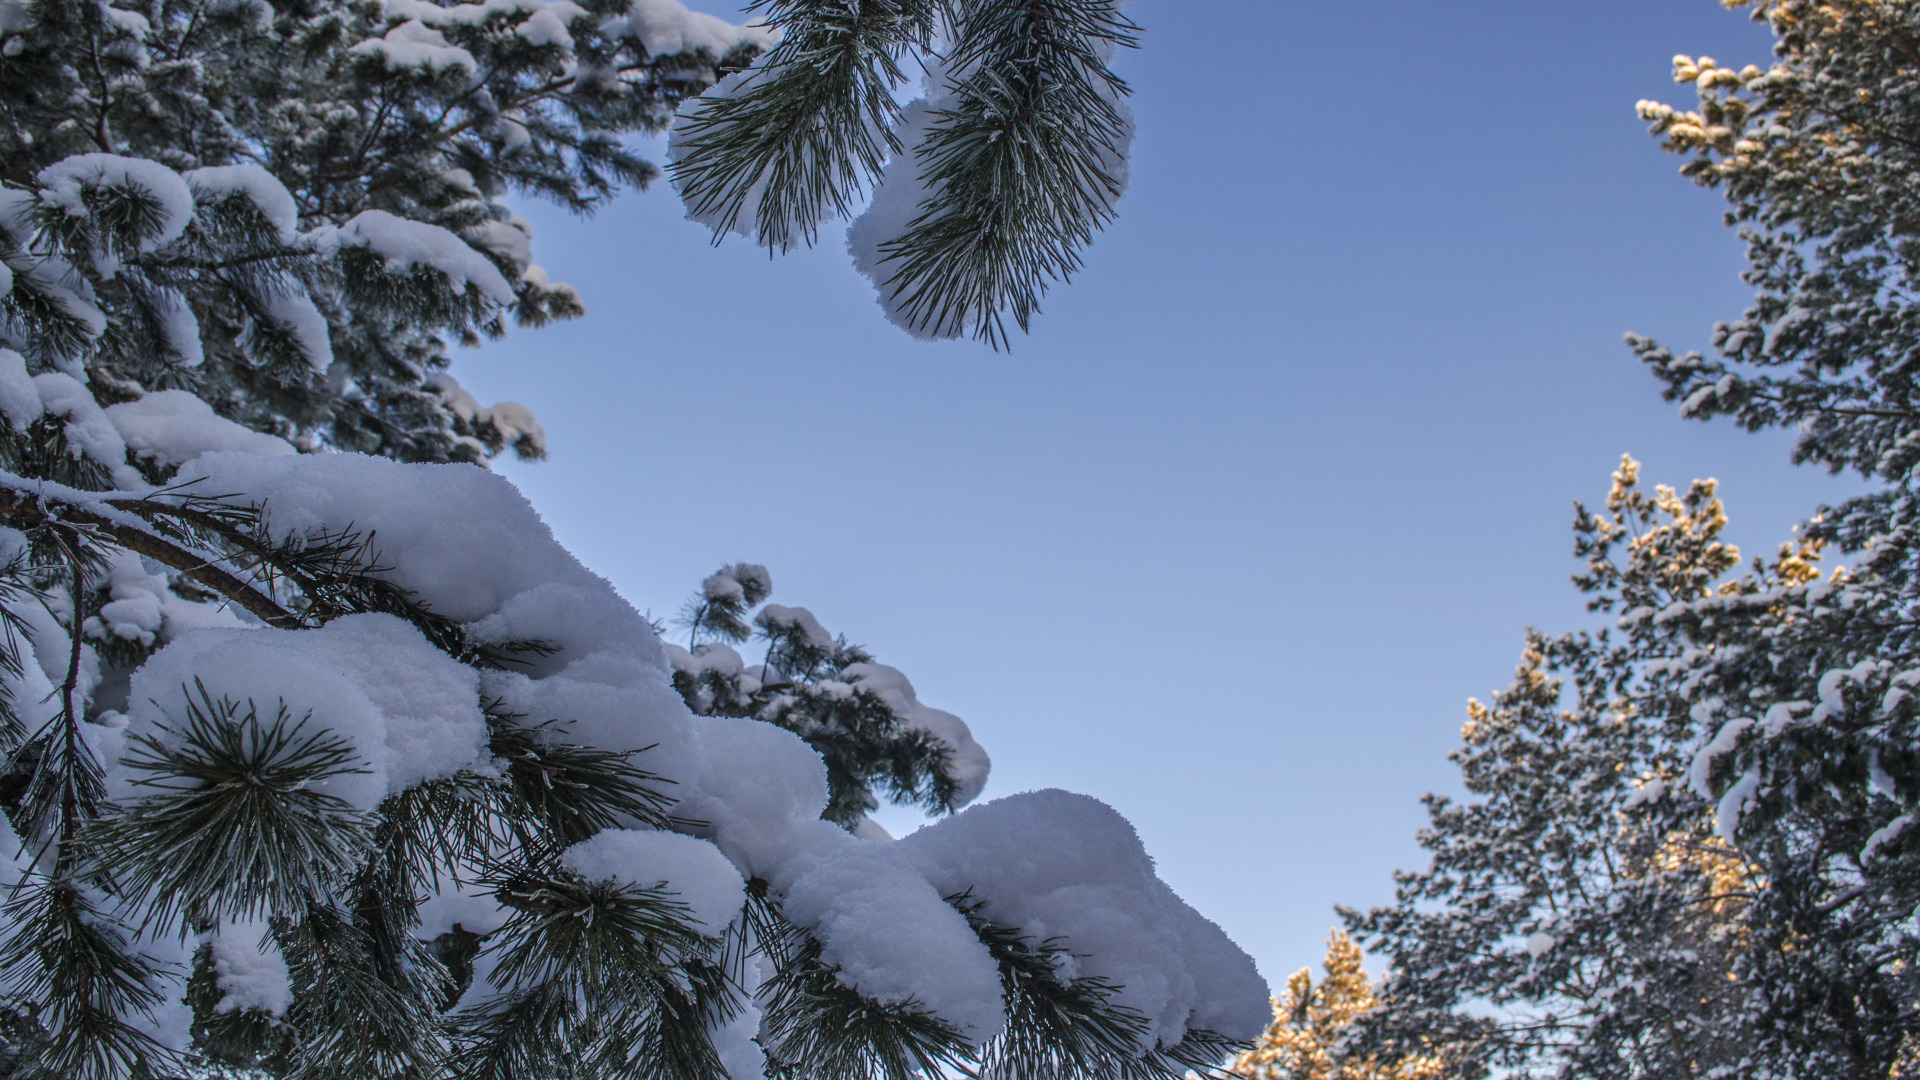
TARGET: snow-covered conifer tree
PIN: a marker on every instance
(322, 764)
(1310, 1021)
(1701, 861)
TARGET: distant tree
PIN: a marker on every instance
(1581, 915)
(1310, 1021)
(1689, 850)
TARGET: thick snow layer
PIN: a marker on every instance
(666, 27)
(787, 619)
(692, 869)
(297, 313)
(467, 544)
(1060, 865)
(176, 426)
(514, 421)
(87, 428)
(892, 935)
(415, 45)
(967, 763)
(19, 400)
(64, 182)
(411, 712)
(746, 220)
(249, 969)
(180, 329)
(405, 244)
(253, 183)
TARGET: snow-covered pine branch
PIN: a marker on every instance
(983, 192)
(331, 765)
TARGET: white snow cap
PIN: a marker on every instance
(413, 44)
(468, 545)
(692, 869)
(1056, 864)
(403, 244)
(176, 426)
(249, 969)
(967, 761)
(255, 184)
(902, 191)
(666, 27)
(411, 712)
(63, 182)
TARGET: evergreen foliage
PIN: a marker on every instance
(1688, 851)
(1309, 1022)
(862, 717)
(319, 765)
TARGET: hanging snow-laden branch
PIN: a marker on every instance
(984, 193)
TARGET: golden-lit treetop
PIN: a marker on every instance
(1308, 1021)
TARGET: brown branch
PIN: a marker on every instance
(30, 511)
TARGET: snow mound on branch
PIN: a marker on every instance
(87, 429)
(1058, 865)
(64, 184)
(405, 244)
(299, 315)
(411, 712)
(667, 28)
(468, 545)
(415, 45)
(258, 186)
(19, 401)
(692, 869)
(967, 761)
(176, 426)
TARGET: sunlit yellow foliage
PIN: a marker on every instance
(1308, 1021)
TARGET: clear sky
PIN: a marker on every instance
(1275, 484)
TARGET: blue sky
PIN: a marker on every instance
(1275, 484)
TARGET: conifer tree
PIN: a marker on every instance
(320, 764)
(1707, 833)
(1309, 1022)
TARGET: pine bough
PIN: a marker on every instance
(326, 765)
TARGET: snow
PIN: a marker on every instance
(967, 762)
(463, 905)
(176, 426)
(297, 313)
(666, 27)
(19, 399)
(1884, 835)
(413, 44)
(258, 186)
(249, 969)
(411, 712)
(1733, 805)
(467, 544)
(406, 244)
(692, 869)
(64, 182)
(1540, 943)
(1057, 864)
(892, 936)
(87, 429)
(902, 191)
(1723, 742)
(514, 421)
(787, 619)
(181, 330)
